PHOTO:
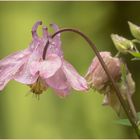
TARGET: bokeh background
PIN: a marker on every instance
(80, 115)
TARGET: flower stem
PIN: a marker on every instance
(117, 91)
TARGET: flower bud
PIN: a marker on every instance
(122, 44)
(135, 30)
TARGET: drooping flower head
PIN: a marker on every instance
(96, 74)
(98, 79)
(28, 66)
(56, 72)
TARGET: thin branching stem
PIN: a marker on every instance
(117, 91)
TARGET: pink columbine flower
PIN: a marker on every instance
(98, 79)
(96, 75)
(56, 72)
(28, 66)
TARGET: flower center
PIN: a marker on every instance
(38, 87)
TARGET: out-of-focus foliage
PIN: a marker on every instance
(79, 115)
(126, 122)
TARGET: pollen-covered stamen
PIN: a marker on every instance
(38, 87)
(34, 33)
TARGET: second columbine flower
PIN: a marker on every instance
(98, 79)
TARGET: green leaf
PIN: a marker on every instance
(135, 54)
(123, 122)
(126, 122)
(135, 30)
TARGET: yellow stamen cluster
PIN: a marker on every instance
(38, 87)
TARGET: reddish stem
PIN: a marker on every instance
(117, 91)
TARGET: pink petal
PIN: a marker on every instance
(95, 62)
(34, 67)
(7, 73)
(56, 39)
(13, 58)
(36, 54)
(34, 28)
(45, 32)
(49, 67)
(10, 65)
(4, 83)
(76, 81)
(55, 43)
(96, 73)
(55, 27)
(24, 75)
(58, 81)
(63, 92)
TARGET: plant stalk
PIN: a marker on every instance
(117, 91)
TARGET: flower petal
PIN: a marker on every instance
(10, 65)
(96, 74)
(34, 67)
(58, 81)
(55, 43)
(34, 28)
(7, 73)
(76, 81)
(45, 32)
(56, 39)
(49, 67)
(95, 62)
(63, 92)
(17, 56)
(24, 75)
(99, 76)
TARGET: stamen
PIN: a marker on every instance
(38, 87)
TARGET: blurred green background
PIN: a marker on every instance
(79, 115)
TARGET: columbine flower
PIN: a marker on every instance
(56, 72)
(98, 80)
(135, 30)
(28, 66)
(122, 44)
(96, 75)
